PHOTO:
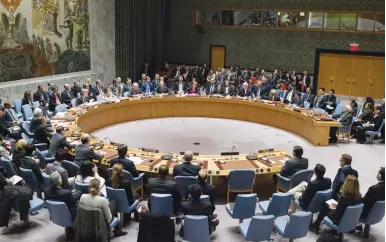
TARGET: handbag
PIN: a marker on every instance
(328, 235)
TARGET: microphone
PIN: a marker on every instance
(111, 142)
(233, 147)
(108, 138)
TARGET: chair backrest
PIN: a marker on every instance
(279, 204)
(41, 156)
(359, 108)
(350, 218)
(71, 167)
(245, 206)
(203, 198)
(17, 104)
(260, 228)
(318, 200)
(26, 129)
(59, 213)
(376, 213)
(297, 226)
(120, 198)
(307, 105)
(300, 176)
(81, 187)
(30, 178)
(73, 102)
(46, 179)
(126, 94)
(339, 109)
(162, 203)
(241, 179)
(196, 228)
(61, 108)
(183, 182)
(126, 175)
(27, 112)
(36, 104)
(25, 137)
(8, 167)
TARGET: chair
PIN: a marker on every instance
(81, 187)
(31, 180)
(318, 200)
(59, 214)
(44, 160)
(183, 182)
(8, 167)
(277, 206)
(196, 228)
(137, 182)
(307, 105)
(349, 220)
(244, 207)
(359, 110)
(27, 138)
(26, 129)
(61, 108)
(121, 202)
(344, 131)
(73, 102)
(240, 181)
(162, 203)
(286, 184)
(36, 104)
(294, 228)
(337, 101)
(35, 205)
(46, 179)
(126, 94)
(71, 167)
(338, 110)
(203, 198)
(258, 229)
(373, 133)
(375, 216)
(27, 112)
(17, 105)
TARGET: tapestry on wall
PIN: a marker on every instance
(43, 37)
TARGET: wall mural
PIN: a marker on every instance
(43, 37)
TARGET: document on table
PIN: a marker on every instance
(332, 202)
(136, 160)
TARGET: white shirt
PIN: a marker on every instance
(180, 87)
(226, 90)
(289, 96)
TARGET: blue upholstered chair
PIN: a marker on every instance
(59, 214)
(71, 167)
(374, 133)
(81, 187)
(8, 167)
(162, 203)
(349, 220)
(114, 222)
(258, 229)
(294, 228)
(35, 205)
(47, 183)
(359, 112)
(375, 216)
(337, 101)
(61, 108)
(25, 127)
(17, 105)
(27, 138)
(306, 105)
(203, 198)
(286, 184)
(137, 182)
(27, 112)
(126, 94)
(277, 206)
(196, 228)
(121, 202)
(244, 207)
(30, 178)
(43, 158)
(183, 182)
(338, 110)
(240, 181)
(318, 200)
(73, 102)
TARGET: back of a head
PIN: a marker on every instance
(319, 170)
(116, 177)
(60, 155)
(163, 170)
(84, 138)
(381, 174)
(86, 169)
(346, 159)
(94, 187)
(350, 186)
(188, 156)
(29, 149)
(55, 179)
(202, 175)
(37, 112)
(59, 129)
(122, 150)
(195, 192)
(298, 151)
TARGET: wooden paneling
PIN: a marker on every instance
(376, 79)
(217, 56)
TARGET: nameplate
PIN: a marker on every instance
(149, 150)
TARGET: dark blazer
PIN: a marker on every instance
(176, 87)
(127, 88)
(367, 115)
(58, 141)
(95, 91)
(81, 100)
(9, 118)
(17, 157)
(198, 208)
(156, 227)
(67, 97)
(340, 177)
(231, 90)
(41, 134)
(126, 185)
(26, 101)
(297, 102)
(33, 124)
(331, 99)
(208, 87)
(52, 102)
(28, 163)
(83, 152)
(322, 102)
(307, 81)
(76, 90)
(374, 194)
(4, 131)
(186, 169)
(144, 86)
(163, 90)
(62, 195)
(293, 165)
(292, 96)
(164, 186)
(343, 203)
(313, 187)
(127, 164)
(309, 98)
(41, 97)
(208, 189)
(242, 93)
(345, 118)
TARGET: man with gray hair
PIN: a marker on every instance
(186, 168)
(84, 97)
(84, 152)
(345, 119)
(67, 95)
(245, 91)
(56, 166)
(38, 112)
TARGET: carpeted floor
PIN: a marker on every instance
(215, 136)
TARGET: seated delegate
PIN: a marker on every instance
(186, 168)
(372, 125)
(293, 165)
(127, 164)
(345, 119)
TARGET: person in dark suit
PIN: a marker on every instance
(344, 170)
(5, 126)
(306, 79)
(28, 162)
(244, 91)
(55, 99)
(309, 97)
(218, 89)
(345, 119)
(198, 207)
(84, 98)
(207, 189)
(97, 89)
(227, 89)
(38, 112)
(350, 196)
(180, 86)
(128, 87)
(162, 89)
(295, 164)
(373, 125)
(41, 133)
(331, 102)
(304, 192)
(67, 95)
(58, 141)
(210, 88)
(147, 87)
(320, 101)
(10, 116)
(164, 186)
(127, 164)
(290, 94)
(374, 194)
(76, 89)
(27, 99)
(84, 152)
(297, 100)
(40, 96)
(186, 168)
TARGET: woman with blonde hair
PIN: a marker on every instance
(349, 196)
(19, 152)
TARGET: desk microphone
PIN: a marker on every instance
(111, 142)
(108, 138)
(233, 147)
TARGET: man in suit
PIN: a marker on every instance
(345, 119)
(245, 91)
(298, 100)
(331, 102)
(136, 90)
(67, 95)
(55, 99)
(147, 87)
(162, 89)
(58, 141)
(257, 89)
(293, 165)
(180, 86)
(218, 89)
(76, 89)
(127, 87)
(28, 162)
(227, 90)
(156, 81)
(5, 126)
(344, 170)
(84, 152)
(40, 96)
(320, 101)
(304, 192)
(164, 186)
(186, 168)
(306, 79)
(97, 89)
(211, 87)
(142, 80)
(207, 189)
(309, 97)
(10, 114)
(290, 95)
(84, 98)
(38, 112)
(60, 156)
(127, 164)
